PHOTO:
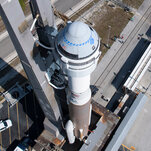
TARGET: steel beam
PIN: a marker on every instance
(103, 112)
(104, 127)
(17, 27)
(44, 9)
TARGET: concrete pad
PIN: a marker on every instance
(139, 135)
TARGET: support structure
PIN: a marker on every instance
(138, 72)
(127, 123)
(44, 9)
(17, 27)
(104, 127)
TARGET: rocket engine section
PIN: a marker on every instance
(78, 53)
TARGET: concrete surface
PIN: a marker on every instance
(114, 67)
(139, 135)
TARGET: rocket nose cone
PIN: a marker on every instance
(78, 29)
(77, 41)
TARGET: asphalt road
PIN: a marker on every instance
(6, 44)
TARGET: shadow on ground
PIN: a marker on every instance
(130, 63)
(125, 71)
(28, 107)
(148, 33)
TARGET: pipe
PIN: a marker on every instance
(39, 43)
(34, 22)
(90, 114)
(35, 39)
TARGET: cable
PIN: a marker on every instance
(35, 39)
(39, 43)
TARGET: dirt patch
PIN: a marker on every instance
(27, 10)
(108, 21)
(133, 3)
(2, 26)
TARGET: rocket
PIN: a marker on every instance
(77, 53)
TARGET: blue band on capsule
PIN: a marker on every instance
(91, 40)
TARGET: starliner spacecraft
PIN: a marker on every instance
(77, 53)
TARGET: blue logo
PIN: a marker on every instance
(91, 40)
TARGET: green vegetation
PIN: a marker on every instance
(22, 3)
